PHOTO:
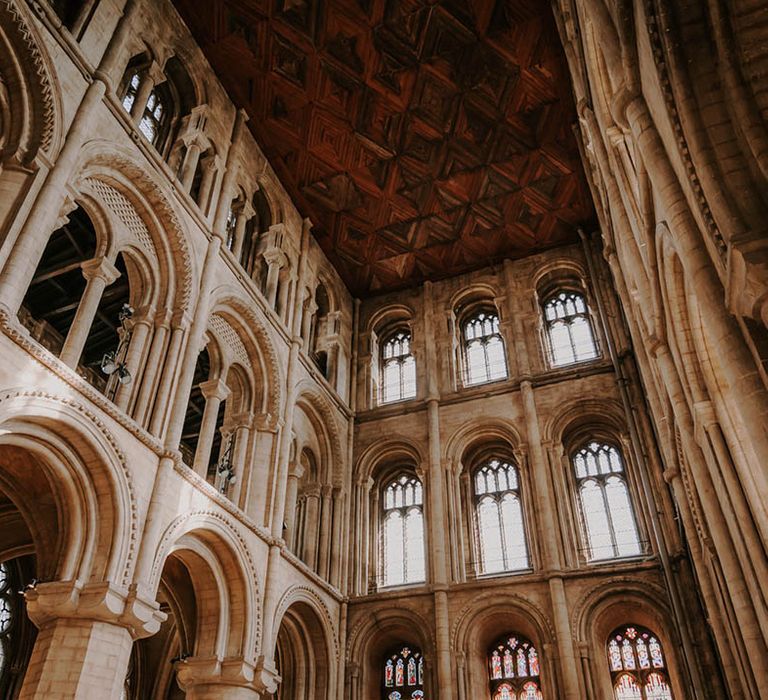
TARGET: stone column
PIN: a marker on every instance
(325, 530)
(210, 166)
(99, 273)
(85, 638)
(152, 368)
(552, 561)
(206, 678)
(244, 214)
(152, 76)
(215, 391)
(189, 166)
(241, 436)
(275, 259)
(296, 471)
(337, 503)
(310, 309)
(163, 395)
(136, 350)
(262, 470)
(311, 526)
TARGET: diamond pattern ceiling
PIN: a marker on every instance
(422, 138)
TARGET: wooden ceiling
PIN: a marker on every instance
(423, 138)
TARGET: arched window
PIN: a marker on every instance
(156, 114)
(131, 91)
(513, 669)
(484, 356)
(403, 530)
(6, 619)
(638, 667)
(500, 518)
(606, 508)
(403, 674)
(398, 368)
(568, 329)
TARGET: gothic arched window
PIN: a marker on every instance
(403, 531)
(484, 356)
(131, 91)
(606, 508)
(398, 368)
(6, 619)
(500, 526)
(403, 674)
(638, 667)
(568, 329)
(513, 669)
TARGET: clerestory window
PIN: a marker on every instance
(484, 355)
(568, 329)
(398, 368)
(403, 531)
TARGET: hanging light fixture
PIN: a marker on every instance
(114, 364)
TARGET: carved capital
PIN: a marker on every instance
(136, 610)
(100, 268)
(215, 389)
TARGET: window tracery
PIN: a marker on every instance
(155, 116)
(404, 674)
(6, 618)
(570, 338)
(403, 531)
(503, 545)
(513, 669)
(398, 368)
(637, 664)
(606, 508)
(484, 355)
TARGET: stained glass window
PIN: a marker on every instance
(153, 120)
(398, 368)
(637, 665)
(6, 617)
(606, 508)
(568, 329)
(513, 669)
(503, 545)
(403, 532)
(484, 356)
(404, 674)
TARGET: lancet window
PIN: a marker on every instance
(403, 674)
(568, 329)
(398, 368)
(638, 665)
(513, 669)
(403, 531)
(484, 354)
(606, 507)
(499, 511)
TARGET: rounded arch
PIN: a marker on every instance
(478, 434)
(473, 295)
(130, 186)
(30, 121)
(320, 414)
(492, 615)
(224, 575)
(384, 452)
(557, 273)
(82, 514)
(377, 633)
(569, 424)
(258, 346)
(388, 317)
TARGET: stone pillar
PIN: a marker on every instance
(552, 560)
(244, 214)
(189, 166)
(311, 526)
(152, 368)
(152, 76)
(337, 503)
(136, 350)
(210, 166)
(325, 530)
(99, 273)
(163, 395)
(275, 259)
(207, 678)
(296, 471)
(215, 391)
(85, 638)
(241, 436)
(262, 470)
(310, 309)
